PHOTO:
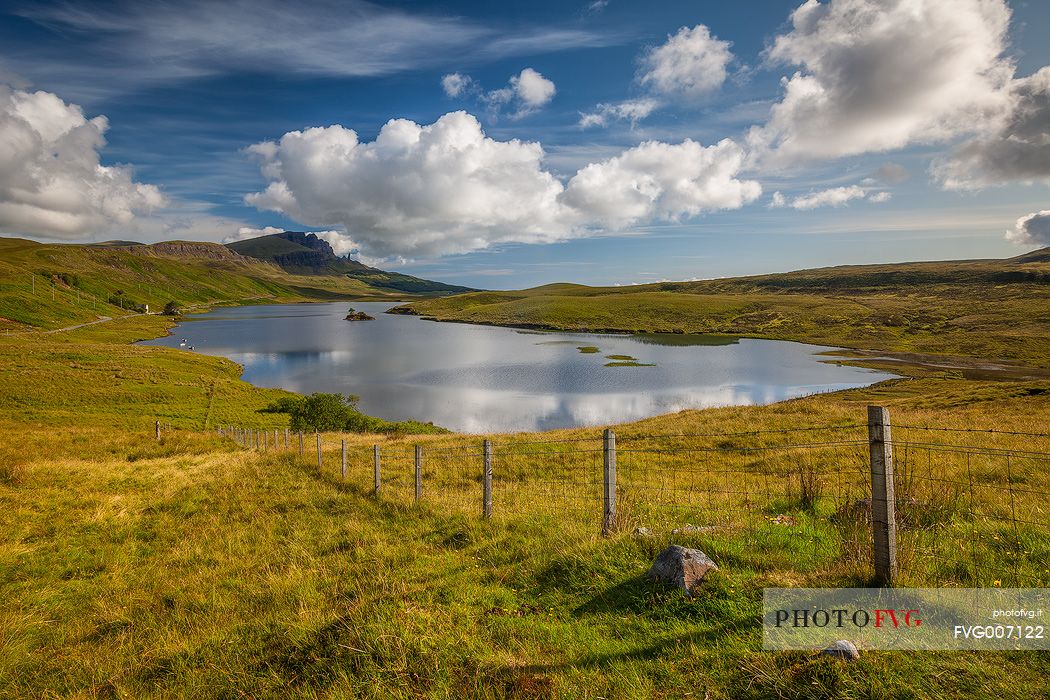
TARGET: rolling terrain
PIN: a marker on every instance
(989, 309)
(192, 567)
(53, 286)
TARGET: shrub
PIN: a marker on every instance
(118, 298)
(338, 413)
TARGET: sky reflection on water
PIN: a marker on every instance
(487, 379)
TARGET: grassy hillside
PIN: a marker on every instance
(190, 567)
(307, 254)
(53, 286)
(995, 309)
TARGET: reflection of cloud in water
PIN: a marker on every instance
(482, 410)
(485, 378)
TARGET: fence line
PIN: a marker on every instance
(848, 500)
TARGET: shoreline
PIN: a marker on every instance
(986, 368)
(829, 351)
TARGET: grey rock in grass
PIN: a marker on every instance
(681, 567)
(642, 532)
(842, 649)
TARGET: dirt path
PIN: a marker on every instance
(82, 325)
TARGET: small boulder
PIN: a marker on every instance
(842, 649)
(681, 567)
(642, 532)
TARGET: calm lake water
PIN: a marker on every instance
(486, 379)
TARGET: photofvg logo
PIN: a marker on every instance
(907, 618)
(844, 617)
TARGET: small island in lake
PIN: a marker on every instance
(358, 316)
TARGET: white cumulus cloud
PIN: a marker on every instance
(832, 197)
(532, 88)
(416, 190)
(525, 92)
(876, 75)
(52, 183)
(661, 181)
(690, 63)
(442, 188)
(631, 111)
(1032, 229)
(455, 84)
(1016, 148)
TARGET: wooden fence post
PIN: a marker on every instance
(319, 464)
(286, 438)
(300, 443)
(486, 482)
(883, 515)
(609, 492)
(419, 472)
(158, 430)
(276, 446)
(375, 458)
(343, 470)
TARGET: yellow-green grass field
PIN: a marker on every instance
(193, 567)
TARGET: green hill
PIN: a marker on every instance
(979, 308)
(307, 254)
(46, 286)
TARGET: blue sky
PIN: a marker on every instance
(188, 88)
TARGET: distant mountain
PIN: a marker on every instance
(308, 254)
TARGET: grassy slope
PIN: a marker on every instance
(132, 568)
(210, 275)
(987, 309)
(191, 568)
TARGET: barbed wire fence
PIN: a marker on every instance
(868, 501)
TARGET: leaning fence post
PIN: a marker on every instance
(419, 472)
(375, 457)
(318, 451)
(609, 493)
(342, 471)
(158, 430)
(486, 487)
(883, 517)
